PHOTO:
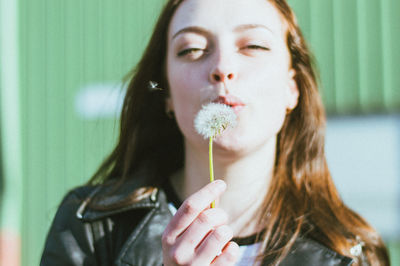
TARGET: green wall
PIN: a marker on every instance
(67, 45)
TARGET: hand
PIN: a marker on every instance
(198, 235)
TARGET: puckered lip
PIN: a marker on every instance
(229, 100)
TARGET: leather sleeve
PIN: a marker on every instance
(69, 241)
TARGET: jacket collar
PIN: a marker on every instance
(109, 195)
(306, 251)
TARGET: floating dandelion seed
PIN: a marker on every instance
(153, 86)
(211, 121)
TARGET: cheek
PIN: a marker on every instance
(184, 106)
(179, 82)
(269, 99)
(188, 83)
(270, 86)
(186, 95)
(183, 98)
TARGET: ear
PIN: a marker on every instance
(293, 91)
(169, 107)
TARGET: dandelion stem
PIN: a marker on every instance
(210, 156)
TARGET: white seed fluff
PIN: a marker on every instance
(213, 119)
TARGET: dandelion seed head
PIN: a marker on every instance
(213, 119)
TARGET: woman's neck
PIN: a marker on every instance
(247, 179)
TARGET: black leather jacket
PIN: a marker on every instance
(82, 235)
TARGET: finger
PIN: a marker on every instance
(192, 207)
(229, 255)
(207, 221)
(213, 244)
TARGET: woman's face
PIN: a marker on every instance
(230, 51)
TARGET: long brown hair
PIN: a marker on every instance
(302, 200)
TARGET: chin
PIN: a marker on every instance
(239, 144)
(230, 145)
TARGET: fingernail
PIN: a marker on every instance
(220, 184)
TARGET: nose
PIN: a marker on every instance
(223, 71)
(221, 76)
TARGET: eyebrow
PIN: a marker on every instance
(251, 26)
(202, 31)
(194, 29)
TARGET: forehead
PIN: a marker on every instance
(221, 15)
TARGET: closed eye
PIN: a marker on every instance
(192, 53)
(257, 47)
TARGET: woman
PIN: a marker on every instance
(276, 200)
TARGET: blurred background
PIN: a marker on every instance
(61, 68)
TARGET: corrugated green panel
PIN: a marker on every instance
(71, 27)
(370, 55)
(321, 16)
(55, 103)
(355, 43)
(35, 145)
(391, 56)
(346, 56)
